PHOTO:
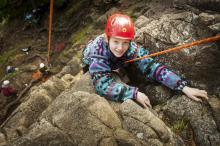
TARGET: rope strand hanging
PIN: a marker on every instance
(195, 43)
(50, 31)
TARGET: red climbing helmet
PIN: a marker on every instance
(120, 26)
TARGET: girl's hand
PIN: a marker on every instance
(194, 93)
(143, 100)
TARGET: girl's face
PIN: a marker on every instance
(118, 46)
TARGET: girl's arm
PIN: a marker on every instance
(100, 72)
(162, 74)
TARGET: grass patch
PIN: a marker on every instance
(5, 57)
(180, 125)
(3, 23)
(10, 75)
(80, 35)
(75, 8)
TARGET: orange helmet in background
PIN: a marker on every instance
(120, 26)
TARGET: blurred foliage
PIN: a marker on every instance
(3, 3)
(15, 8)
(79, 36)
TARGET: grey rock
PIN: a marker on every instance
(64, 59)
(215, 105)
(102, 20)
(202, 5)
(123, 137)
(157, 94)
(54, 86)
(169, 28)
(215, 27)
(142, 21)
(207, 18)
(44, 133)
(199, 116)
(72, 67)
(174, 29)
(84, 84)
(35, 103)
(87, 118)
(3, 141)
(68, 79)
(139, 120)
(108, 141)
(103, 2)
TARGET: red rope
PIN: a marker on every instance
(206, 40)
(50, 31)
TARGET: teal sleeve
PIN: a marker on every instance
(105, 85)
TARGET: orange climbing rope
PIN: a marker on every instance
(206, 40)
(50, 31)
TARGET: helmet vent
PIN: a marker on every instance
(124, 29)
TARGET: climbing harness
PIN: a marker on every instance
(195, 43)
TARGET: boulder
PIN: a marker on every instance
(157, 94)
(199, 116)
(102, 19)
(39, 98)
(72, 67)
(86, 118)
(142, 121)
(215, 105)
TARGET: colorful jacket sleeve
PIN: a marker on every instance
(100, 72)
(157, 71)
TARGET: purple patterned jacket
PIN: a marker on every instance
(101, 62)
